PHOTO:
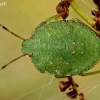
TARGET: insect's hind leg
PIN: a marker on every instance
(90, 73)
(60, 76)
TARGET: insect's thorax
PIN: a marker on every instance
(63, 47)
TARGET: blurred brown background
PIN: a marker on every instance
(21, 80)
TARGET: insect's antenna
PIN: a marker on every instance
(12, 61)
(11, 32)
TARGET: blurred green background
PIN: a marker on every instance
(21, 80)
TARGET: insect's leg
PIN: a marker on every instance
(60, 76)
(78, 21)
(11, 32)
(57, 16)
(12, 61)
(90, 73)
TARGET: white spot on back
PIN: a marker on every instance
(82, 43)
(73, 52)
(74, 42)
(82, 52)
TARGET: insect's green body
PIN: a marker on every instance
(63, 47)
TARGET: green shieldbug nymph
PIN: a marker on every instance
(65, 48)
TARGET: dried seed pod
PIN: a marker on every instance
(81, 96)
(97, 2)
(97, 24)
(72, 94)
(62, 7)
(64, 85)
(95, 13)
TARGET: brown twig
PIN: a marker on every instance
(75, 88)
(96, 15)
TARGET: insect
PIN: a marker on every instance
(63, 48)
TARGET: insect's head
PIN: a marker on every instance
(27, 46)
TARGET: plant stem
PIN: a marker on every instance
(82, 14)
